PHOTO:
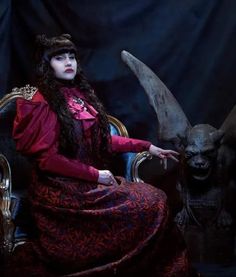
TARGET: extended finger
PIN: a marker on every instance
(169, 156)
(173, 152)
(165, 163)
(113, 181)
(173, 158)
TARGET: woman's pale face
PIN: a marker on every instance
(64, 66)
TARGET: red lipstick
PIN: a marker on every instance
(69, 70)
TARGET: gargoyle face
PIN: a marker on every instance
(200, 151)
(200, 162)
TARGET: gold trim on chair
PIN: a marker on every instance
(5, 202)
(119, 126)
(140, 157)
(26, 92)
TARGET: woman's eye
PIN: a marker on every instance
(72, 57)
(59, 58)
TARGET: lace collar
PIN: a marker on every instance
(79, 107)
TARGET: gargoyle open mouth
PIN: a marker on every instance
(200, 174)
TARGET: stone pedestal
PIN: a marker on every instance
(210, 245)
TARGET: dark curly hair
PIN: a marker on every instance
(70, 144)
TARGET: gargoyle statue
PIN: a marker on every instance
(206, 154)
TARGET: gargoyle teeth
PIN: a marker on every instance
(201, 178)
(201, 174)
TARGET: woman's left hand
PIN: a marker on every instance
(163, 153)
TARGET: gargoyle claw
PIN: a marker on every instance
(224, 219)
(182, 218)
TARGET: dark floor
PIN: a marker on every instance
(216, 270)
(212, 250)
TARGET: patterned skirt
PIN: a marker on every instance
(88, 229)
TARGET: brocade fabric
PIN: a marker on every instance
(84, 227)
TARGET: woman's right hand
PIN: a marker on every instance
(107, 178)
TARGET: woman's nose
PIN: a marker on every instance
(67, 61)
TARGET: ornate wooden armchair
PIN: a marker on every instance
(15, 223)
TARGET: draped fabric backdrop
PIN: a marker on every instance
(190, 44)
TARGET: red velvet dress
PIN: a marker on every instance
(84, 226)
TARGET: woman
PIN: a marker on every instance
(89, 222)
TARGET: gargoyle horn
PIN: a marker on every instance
(172, 122)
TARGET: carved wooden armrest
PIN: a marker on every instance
(139, 158)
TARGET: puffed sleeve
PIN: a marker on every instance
(124, 144)
(35, 132)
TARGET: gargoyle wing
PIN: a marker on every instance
(226, 157)
(172, 122)
(229, 128)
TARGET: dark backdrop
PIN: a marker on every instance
(190, 44)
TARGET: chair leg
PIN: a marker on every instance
(7, 226)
